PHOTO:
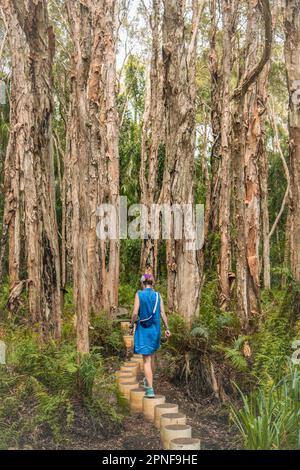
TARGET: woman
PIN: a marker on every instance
(147, 310)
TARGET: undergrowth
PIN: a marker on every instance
(47, 392)
(269, 418)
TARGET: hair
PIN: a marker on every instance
(148, 282)
(147, 279)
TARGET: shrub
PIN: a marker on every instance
(43, 388)
(106, 335)
(270, 417)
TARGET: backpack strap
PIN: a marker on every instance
(145, 319)
(155, 303)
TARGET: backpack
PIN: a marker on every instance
(146, 322)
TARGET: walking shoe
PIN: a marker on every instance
(145, 383)
(150, 392)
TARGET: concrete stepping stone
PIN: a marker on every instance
(125, 378)
(136, 399)
(185, 443)
(125, 388)
(125, 326)
(130, 368)
(172, 418)
(149, 405)
(174, 431)
(128, 373)
(136, 362)
(128, 341)
(163, 408)
(139, 358)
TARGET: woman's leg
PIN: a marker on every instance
(148, 370)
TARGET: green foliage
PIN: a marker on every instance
(272, 343)
(127, 293)
(130, 275)
(270, 417)
(217, 322)
(130, 150)
(135, 83)
(4, 294)
(177, 344)
(106, 336)
(235, 354)
(44, 387)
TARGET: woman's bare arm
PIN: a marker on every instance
(135, 311)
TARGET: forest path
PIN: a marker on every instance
(208, 420)
(209, 423)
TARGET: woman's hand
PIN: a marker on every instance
(167, 333)
(131, 328)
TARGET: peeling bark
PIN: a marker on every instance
(216, 90)
(292, 54)
(225, 166)
(29, 161)
(152, 134)
(247, 132)
(92, 163)
(178, 184)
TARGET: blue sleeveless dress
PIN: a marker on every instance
(147, 340)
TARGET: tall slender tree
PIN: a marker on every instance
(152, 135)
(29, 161)
(92, 167)
(225, 151)
(246, 136)
(292, 51)
(216, 87)
(179, 57)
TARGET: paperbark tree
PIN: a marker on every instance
(225, 152)
(109, 130)
(246, 134)
(179, 99)
(152, 134)
(29, 161)
(92, 167)
(263, 186)
(216, 90)
(292, 51)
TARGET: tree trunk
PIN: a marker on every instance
(247, 130)
(178, 185)
(262, 90)
(151, 138)
(263, 181)
(225, 150)
(92, 166)
(77, 168)
(216, 91)
(292, 53)
(110, 250)
(32, 47)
